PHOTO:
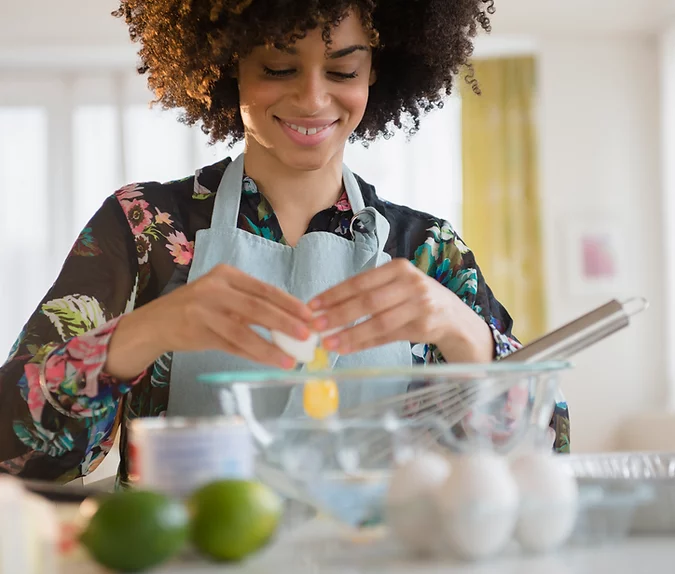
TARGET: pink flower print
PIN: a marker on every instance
(84, 358)
(138, 215)
(36, 398)
(161, 217)
(129, 192)
(343, 203)
(143, 248)
(181, 249)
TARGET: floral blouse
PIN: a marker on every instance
(59, 411)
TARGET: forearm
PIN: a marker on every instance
(134, 345)
(469, 339)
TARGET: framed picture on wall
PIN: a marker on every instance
(595, 265)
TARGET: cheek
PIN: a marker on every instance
(255, 98)
(355, 100)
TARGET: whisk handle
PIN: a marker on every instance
(580, 333)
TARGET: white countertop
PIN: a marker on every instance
(318, 548)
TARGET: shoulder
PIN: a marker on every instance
(202, 185)
(175, 203)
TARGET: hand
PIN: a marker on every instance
(403, 304)
(215, 312)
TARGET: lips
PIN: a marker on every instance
(307, 132)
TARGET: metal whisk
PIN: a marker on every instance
(438, 406)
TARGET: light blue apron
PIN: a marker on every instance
(318, 262)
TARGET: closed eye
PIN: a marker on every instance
(278, 73)
(341, 76)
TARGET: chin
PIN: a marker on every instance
(306, 160)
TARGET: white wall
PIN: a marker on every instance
(72, 22)
(667, 110)
(599, 145)
(28, 23)
(591, 17)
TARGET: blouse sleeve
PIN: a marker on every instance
(57, 406)
(446, 258)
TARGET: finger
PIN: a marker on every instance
(264, 313)
(379, 329)
(363, 304)
(243, 296)
(238, 335)
(217, 343)
(267, 360)
(247, 284)
(366, 281)
(386, 338)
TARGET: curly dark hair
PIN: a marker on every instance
(189, 49)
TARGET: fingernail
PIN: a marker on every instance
(288, 363)
(315, 304)
(320, 323)
(331, 343)
(302, 332)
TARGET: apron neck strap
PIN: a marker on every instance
(367, 221)
(228, 197)
(370, 225)
(353, 190)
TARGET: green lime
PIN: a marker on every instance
(233, 518)
(135, 530)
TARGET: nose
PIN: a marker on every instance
(312, 93)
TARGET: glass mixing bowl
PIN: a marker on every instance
(341, 465)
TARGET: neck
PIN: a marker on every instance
(302, 193)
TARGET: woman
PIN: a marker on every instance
(167, 279)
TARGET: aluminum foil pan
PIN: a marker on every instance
(649, 476)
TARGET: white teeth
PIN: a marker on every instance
(306, 131)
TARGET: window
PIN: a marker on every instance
(23, 217)
(67, 141)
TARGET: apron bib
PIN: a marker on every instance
(318, 262)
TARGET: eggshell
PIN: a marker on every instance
(411, 509)
(549, 501)
(479, 503)
(302, 351)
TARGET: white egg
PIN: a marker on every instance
(411, 509)
(549, 501)
(302, 351)
(479, 502)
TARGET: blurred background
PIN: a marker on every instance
(561, 176)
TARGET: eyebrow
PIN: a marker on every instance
(347, 51)
(332, 55)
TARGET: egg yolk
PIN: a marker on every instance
(320, 397)
(321, 360)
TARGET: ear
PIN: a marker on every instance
(373, 77)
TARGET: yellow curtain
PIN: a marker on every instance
(501, 218)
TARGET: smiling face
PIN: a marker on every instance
(300, 104)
